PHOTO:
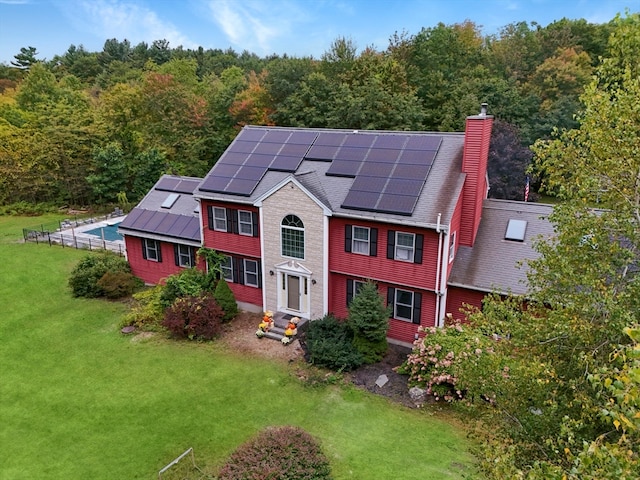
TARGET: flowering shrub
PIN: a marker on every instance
(443, 360)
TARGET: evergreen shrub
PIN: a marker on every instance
(226, 299)
(90, 270)
(278, 453)
(369, 320)
(188, 283)
(330, 344)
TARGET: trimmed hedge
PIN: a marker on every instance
(278, 453)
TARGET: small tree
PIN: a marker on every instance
(369, 321)
(225, 298)
(194, 318)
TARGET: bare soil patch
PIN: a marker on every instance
(239, 336)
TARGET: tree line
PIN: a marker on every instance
(86, 127)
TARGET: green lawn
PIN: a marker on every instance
(80, 400)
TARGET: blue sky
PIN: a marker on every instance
(294, 27)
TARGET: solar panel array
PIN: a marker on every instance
(389, 169)
(163, 223)
(177, 185)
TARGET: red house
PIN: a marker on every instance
(306, 215)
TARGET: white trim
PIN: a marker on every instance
(325, 266)
(258, 201)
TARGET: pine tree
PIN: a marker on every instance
(369, 320)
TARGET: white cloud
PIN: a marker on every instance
(125, 20)
(256, 25)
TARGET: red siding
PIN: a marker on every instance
(229, 242)
(148, 270)
(457, 297)
(247, 294)
(379, 268)
(474, 164)
(398, 329)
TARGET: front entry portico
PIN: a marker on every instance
(293, 289)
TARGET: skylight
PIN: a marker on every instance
(170, 200)
(516, 230)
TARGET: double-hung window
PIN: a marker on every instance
(406, 304)
(353, 288)
(184, 255)
(292, 237)
(151, 250)
(251, 273)
(452, 246)
(360, 242)
(226, 266)
(405, 245)
(220, 219)
(245, 222)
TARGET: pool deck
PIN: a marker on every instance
(76, 235)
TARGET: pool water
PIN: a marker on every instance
(110, 232)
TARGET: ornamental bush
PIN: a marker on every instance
(88, 272)
(146, 311)
(226, 299)
(278, 453)
(330, 344)
(445, 358)
(119, 284)
(194, 318)
(369, 320)
(188, 283)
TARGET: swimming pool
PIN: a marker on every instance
(110, 232)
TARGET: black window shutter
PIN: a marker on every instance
(240, 276)
(391, 294)
(192, 256)
(176, 254)
(348, 229)
(373, 242)
(349, 291)
(210, 216)
(391, 244)
(159, 247)
(417, 255)
(234, 266)
(232, 220)
(417, 307)
(259, 268)
(254, 222)
(144, 248)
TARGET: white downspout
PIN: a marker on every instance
(263, 259)
(437, 285)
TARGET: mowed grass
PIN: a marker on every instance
(80, 400)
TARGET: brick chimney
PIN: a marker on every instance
(474, 164)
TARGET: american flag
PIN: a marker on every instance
(526, 190)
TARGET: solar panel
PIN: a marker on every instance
(387, 155)
(131, 218)
(351, 153)
(250, 134)
(277, 136)
(226, 169)
(239, 186)
(423, 142)
(167, 183)
(400, 186)
(259, 160)
(360, 200)
(369, 184)
(400, 204)
(359, 140)
(322, 152)
(333, 139)
(417, 157)
(294, 149)
(285, 164)
(187, 186)
(154, 221)
(343, 168)
(241, 146)
(411, 171)
(390, 141)
(232, 158)
(177, 227)
(375, 169)
(247, 172)
(213, 183)
(192, 230)
(302, 137)
(267, 148)
(165, 223)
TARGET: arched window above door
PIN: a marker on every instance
(292, 237)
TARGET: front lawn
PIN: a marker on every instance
(80, 400)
